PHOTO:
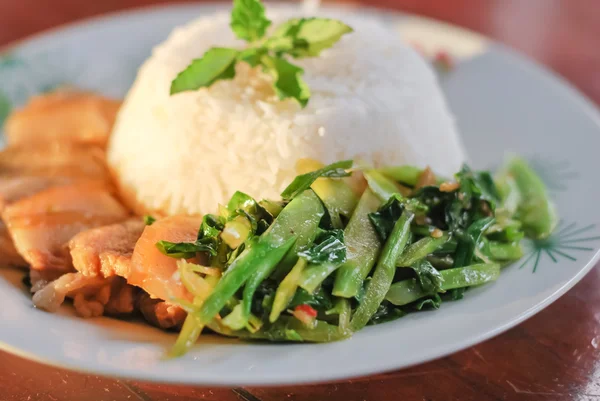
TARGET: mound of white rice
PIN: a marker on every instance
(373, 98)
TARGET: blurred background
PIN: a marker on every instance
(563, 34)
(549, 357)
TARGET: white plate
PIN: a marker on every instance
(502, 101)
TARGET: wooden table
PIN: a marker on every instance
(553, 356)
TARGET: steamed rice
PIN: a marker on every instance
(373, 98)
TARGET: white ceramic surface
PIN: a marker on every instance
(502, 102)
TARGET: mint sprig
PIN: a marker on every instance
(248, 20)
(217, 63)
(307, 37)
(288, 79)
(296, 38)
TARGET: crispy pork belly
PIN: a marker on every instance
(41, 225)
(160, 313)
(154, 272)
(40, 278)
(123, 298)
(8, 254)
(14, 188)
(106, 251)
(92, 296)
(53, 294)
(27, 170)
(64, 116)
(54, 159)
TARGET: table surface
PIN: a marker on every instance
(552, 356)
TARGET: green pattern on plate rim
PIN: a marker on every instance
(556, 174)
(563, 244)
(567, 239)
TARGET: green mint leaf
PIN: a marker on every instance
(284, 37)
(303, 182)
(248, 20)
(288, 79)
(304, 37)
(149, 220)
(289, 28)
(307, 37)
(252, 55)
(280, 44)
(217, 63)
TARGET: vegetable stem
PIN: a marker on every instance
(286, 290)
(407, 291)
(343, 309)
(314, 275)
(259, 257)
(297, 217)
(468, 241)
(420, 249)
(363, 247)
(305, 225)
(382, 186)
(408, 175)
(384, 272)
(291, 329)
(336, 194)
(535, 210)
(504, 251)
(190, 331)
(258, 277)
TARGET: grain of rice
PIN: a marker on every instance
(373, 98)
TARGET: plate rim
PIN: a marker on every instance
(583, 102)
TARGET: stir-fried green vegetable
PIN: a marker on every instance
(534, 209)
(384, 271)
(322, 263)
(420, 249)
(207, 240)
(286, 290)
(304, 181)
(408, 175)
(363, 248)
(262, 256)
(382, 186)
(406, 291)
(327, 254)
(336, 194)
